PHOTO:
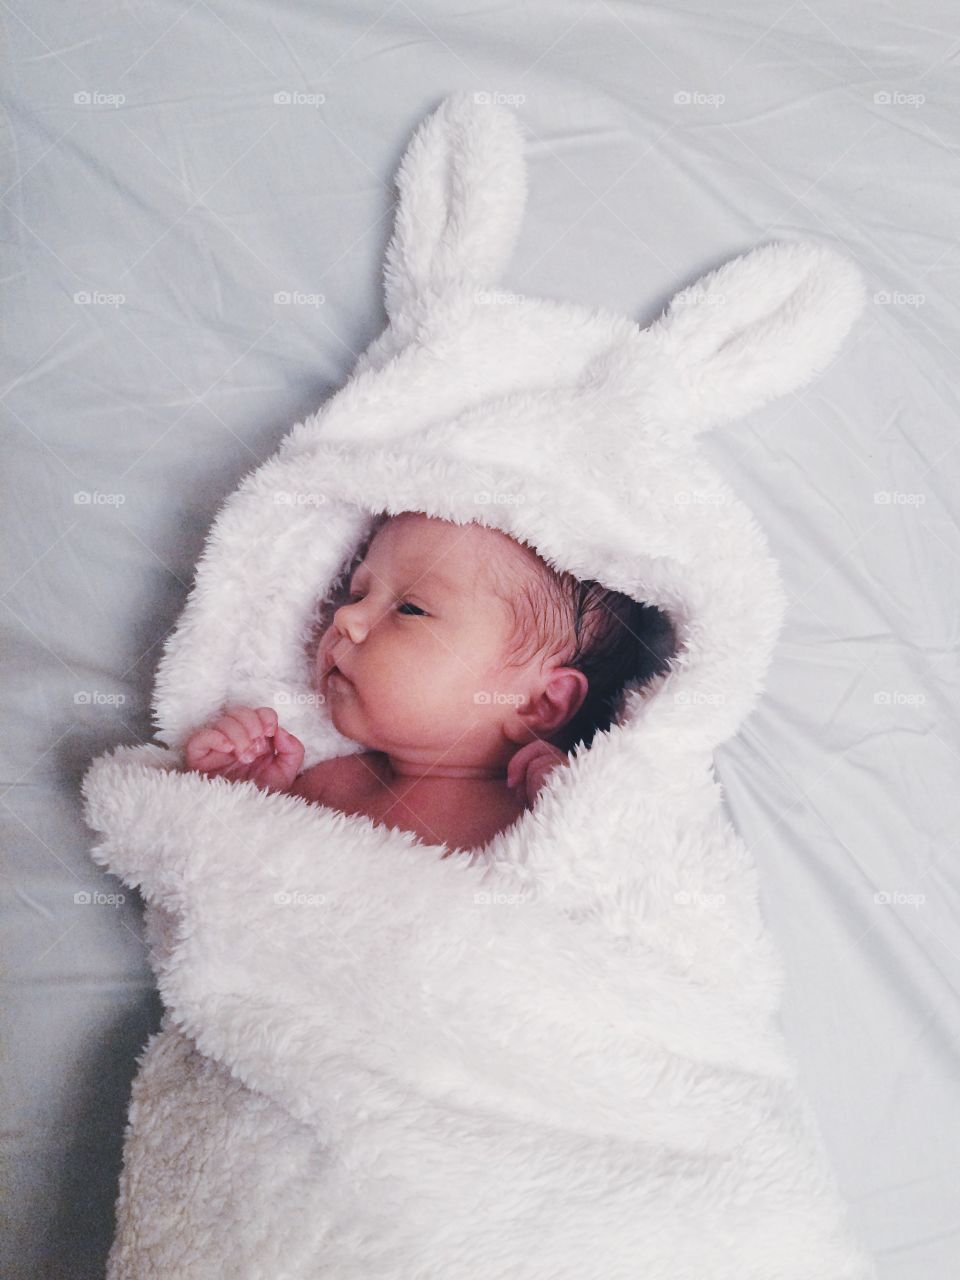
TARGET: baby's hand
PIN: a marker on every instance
(246, 745)
(530, 765)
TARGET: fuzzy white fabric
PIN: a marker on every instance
(559, 1056)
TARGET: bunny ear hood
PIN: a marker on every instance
(568, 428)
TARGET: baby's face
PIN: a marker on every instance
(419, 654)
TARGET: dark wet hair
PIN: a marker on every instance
(613, 639)
(619, 642)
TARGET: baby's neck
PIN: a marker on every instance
(414, 771)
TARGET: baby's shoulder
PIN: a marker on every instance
(342, 779)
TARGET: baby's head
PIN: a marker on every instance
(456, 644)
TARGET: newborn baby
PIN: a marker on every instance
(460, 661)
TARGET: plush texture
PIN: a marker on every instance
(560, 1055)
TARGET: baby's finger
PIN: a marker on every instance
(286, 745)
(268, 721)
(274, 773)
(213, 762)
(519, 758)
(514, 771)
(208, 749)
(209, 740)
(241, 726)
(247, 717)
(520, 761)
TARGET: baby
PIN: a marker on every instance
(466, 667)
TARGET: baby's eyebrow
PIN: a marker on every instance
(426, 578)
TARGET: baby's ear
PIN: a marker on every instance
(756, 328)
(462, 188)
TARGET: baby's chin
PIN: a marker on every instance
(348, 724)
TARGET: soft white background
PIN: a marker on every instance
(184, 187)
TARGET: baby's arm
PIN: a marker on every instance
(246, 745)
(529, 767)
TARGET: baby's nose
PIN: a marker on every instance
(350, 622)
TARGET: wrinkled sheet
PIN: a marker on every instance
(196, 202)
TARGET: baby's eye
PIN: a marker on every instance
(407, 605)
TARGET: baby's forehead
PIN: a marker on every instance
(468, 554)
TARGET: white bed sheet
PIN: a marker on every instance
(149, 167)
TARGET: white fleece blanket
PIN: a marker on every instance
(557, 1056)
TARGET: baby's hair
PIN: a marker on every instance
(613, 639)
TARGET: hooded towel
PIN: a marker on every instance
(558, 1055)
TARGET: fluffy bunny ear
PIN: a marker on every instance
(759, 326)
(462, 188)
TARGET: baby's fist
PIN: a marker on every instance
(246, 745)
